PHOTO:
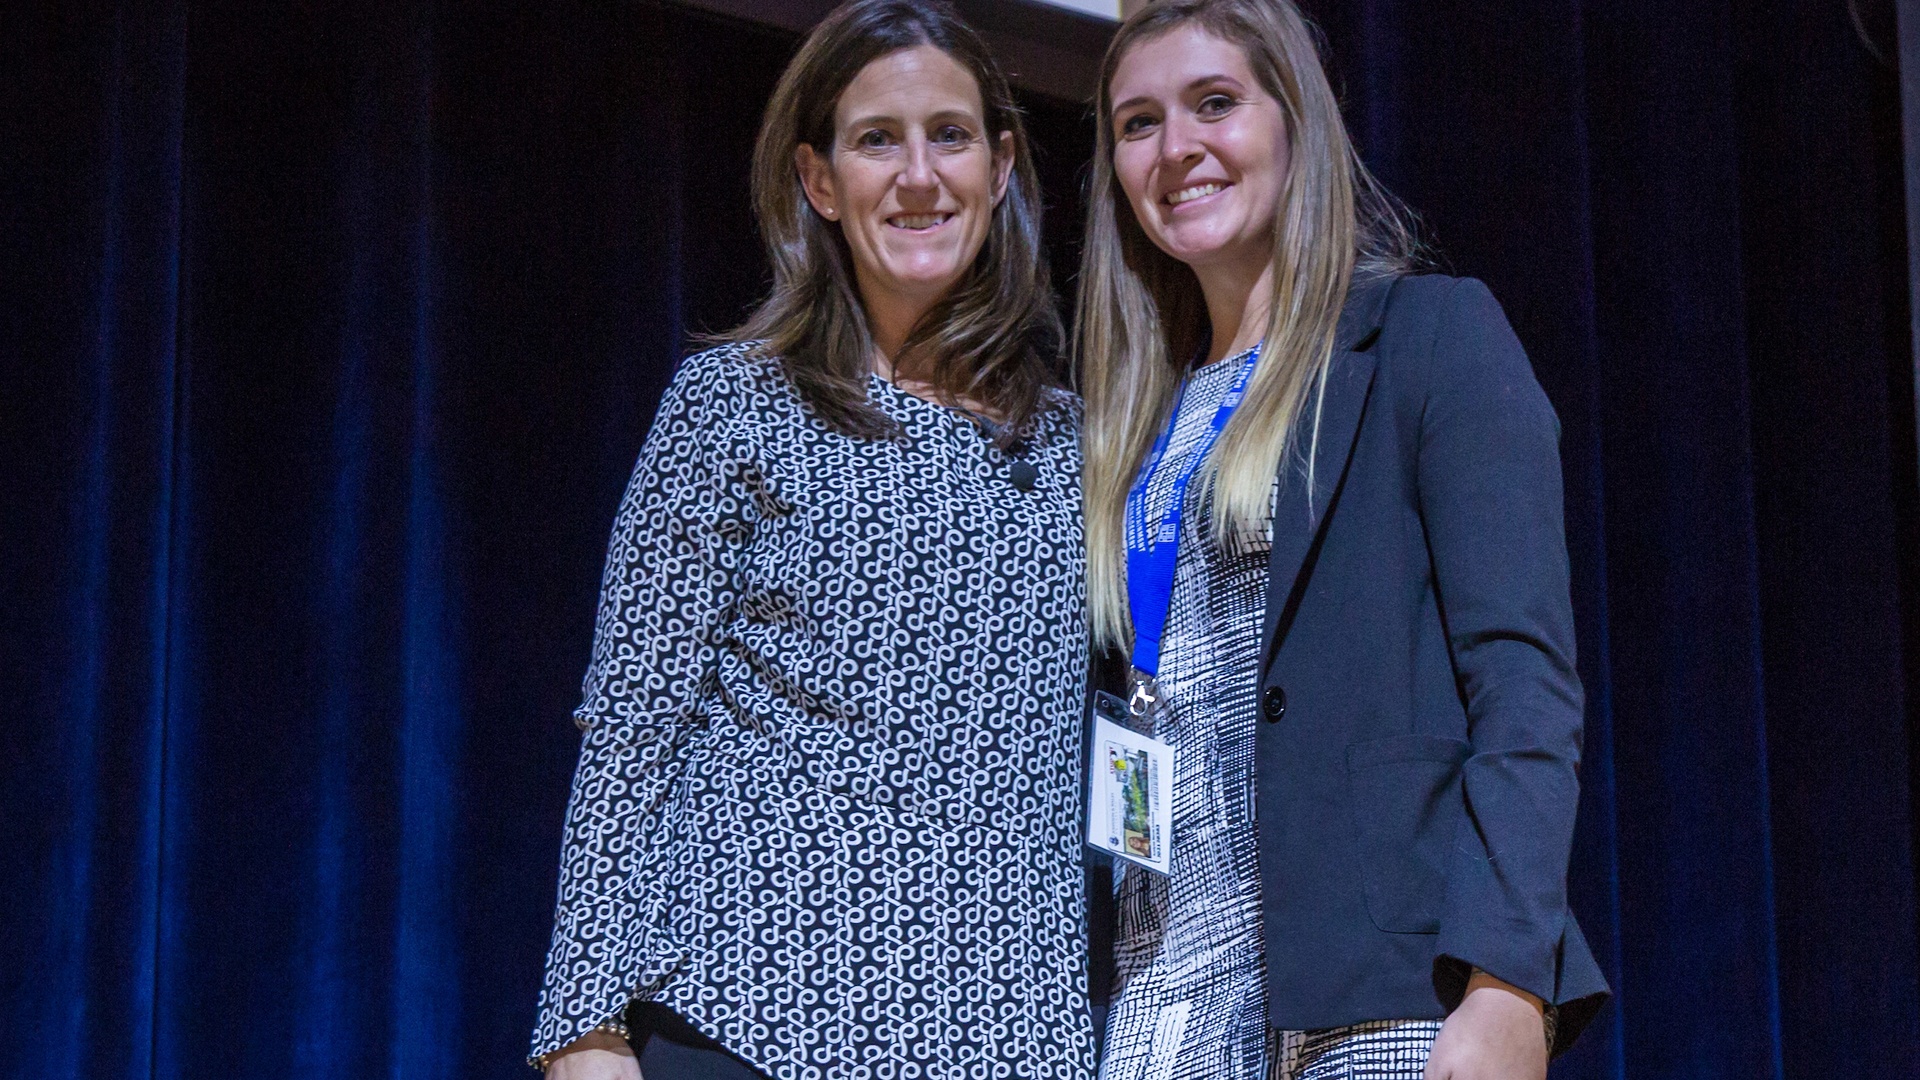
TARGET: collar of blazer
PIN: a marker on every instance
(1299, 522)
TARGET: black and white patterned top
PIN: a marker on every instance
(1190, 962)
(1190, 969)
(827, 802)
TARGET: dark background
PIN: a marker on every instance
(330, 331)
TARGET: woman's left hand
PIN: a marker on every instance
(1496, 1034)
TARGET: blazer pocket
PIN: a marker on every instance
(1404, 794)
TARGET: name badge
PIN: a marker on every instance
(1129, 790)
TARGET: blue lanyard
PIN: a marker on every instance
(1153, 551)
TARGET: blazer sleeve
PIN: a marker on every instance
(1490, 499)
(669, 582)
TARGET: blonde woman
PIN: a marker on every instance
(825, 820)
(1324, 520)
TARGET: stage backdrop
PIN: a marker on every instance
(330, 332)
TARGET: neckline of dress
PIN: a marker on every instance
(1212, 364)
(986, 425)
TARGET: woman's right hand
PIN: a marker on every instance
(597, 1055)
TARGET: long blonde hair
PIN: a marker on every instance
(1141, 316)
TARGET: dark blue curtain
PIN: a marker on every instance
(330, 331)
(1692, 211)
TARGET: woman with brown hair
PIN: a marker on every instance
(1324, 520)
(824, 818)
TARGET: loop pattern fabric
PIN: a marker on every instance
(827, 806)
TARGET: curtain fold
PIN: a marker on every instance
(1691, 212)
(89, 420)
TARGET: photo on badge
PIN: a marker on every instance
(1132, 774)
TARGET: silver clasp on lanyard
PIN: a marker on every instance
(1143, 702)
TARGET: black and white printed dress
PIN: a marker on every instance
(827, 801)
(1189, 1001)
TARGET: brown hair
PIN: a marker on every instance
(992, 337)
(1141, 316)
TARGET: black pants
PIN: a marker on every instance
(669, 1048)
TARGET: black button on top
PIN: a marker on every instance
(1023, 474)
(1273, 704)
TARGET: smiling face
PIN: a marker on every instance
(912, 178)
(1200, 148)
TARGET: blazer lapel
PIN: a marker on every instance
(1300, 516)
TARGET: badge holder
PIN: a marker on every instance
(1130, 782)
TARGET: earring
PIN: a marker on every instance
(828, 213)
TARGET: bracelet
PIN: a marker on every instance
(611, 1027)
